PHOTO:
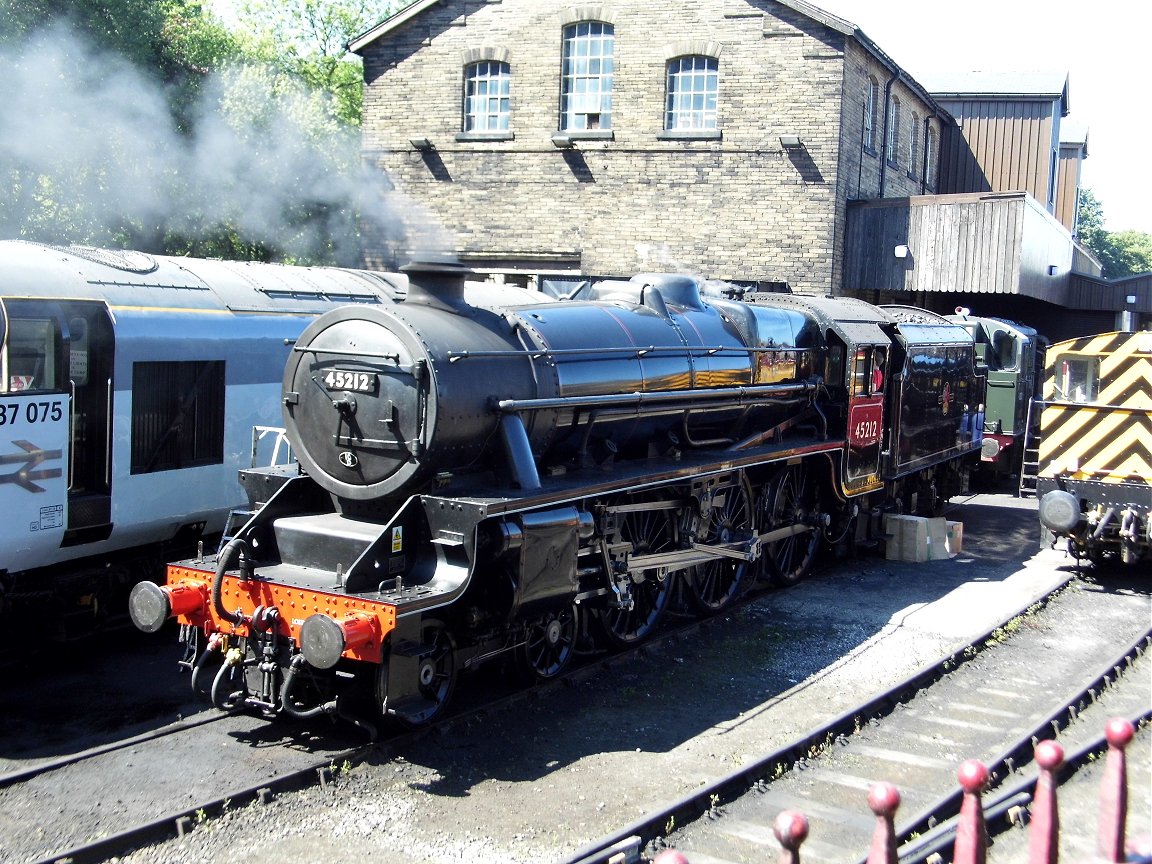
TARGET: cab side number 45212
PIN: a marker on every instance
(866, 430)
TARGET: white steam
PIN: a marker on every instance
(89, 153)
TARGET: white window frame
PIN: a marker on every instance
(913, 144)
(870, 114)
(930, 158)
(892, 144)
(586, 72)
(692, 87)
(487, 96)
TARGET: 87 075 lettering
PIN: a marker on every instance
(45, 411)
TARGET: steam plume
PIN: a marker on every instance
(90, 153)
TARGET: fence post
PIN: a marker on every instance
(1114, 790)
(971, 833)
(791, 829)
(1044, 834)
(883, 800)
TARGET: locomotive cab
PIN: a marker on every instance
(57, 383)
(1094, 451)
(1012, 356)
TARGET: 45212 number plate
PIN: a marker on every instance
(347, 379)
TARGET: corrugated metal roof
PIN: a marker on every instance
(1025, 84)
(1074, 132)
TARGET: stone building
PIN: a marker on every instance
(722, 137)
(765, 142)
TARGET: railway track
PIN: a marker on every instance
(274, 759)
(95, 803)
(989, 704)
(111, 826)
(36, 770)
(240, 759)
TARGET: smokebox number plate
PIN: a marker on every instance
(345, 379)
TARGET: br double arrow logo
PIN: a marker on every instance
(32, 457)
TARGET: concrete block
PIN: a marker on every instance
(955, 538)
(916, 538)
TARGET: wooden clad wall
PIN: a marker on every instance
(1068, 186)
(1002, 243)
(1100, 294)
(953, 245)
(1001, 146)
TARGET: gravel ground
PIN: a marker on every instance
(537, 782)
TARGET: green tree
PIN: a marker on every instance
(1127, 254)
(308, 40)
(130, 28)
(172, 41)
(149, 124)
(99, 94)
(1121, 253)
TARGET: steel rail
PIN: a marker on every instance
(40, 768)
(181, 822)
(1000, 809)
(178, 823)
(734, 784)
(1018, 752)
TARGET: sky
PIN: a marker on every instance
(1102, 45)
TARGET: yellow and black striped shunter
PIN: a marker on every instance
(1095, 454)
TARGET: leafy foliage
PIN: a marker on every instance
(307, 40)
(153, 124)
(1122, 253)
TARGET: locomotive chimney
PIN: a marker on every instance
(437, 284)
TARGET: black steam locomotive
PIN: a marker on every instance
(479, 480)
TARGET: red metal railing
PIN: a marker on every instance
(971, 843)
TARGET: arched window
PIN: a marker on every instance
(693, 83)
(870, 114)
(892, 142)
(930, 158)
(586, 76)
(913, 144)
(487, 96)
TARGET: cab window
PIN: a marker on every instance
(1077, 378)
(1004, 346)
(31, 356)
(868, 371)
(177, 415)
